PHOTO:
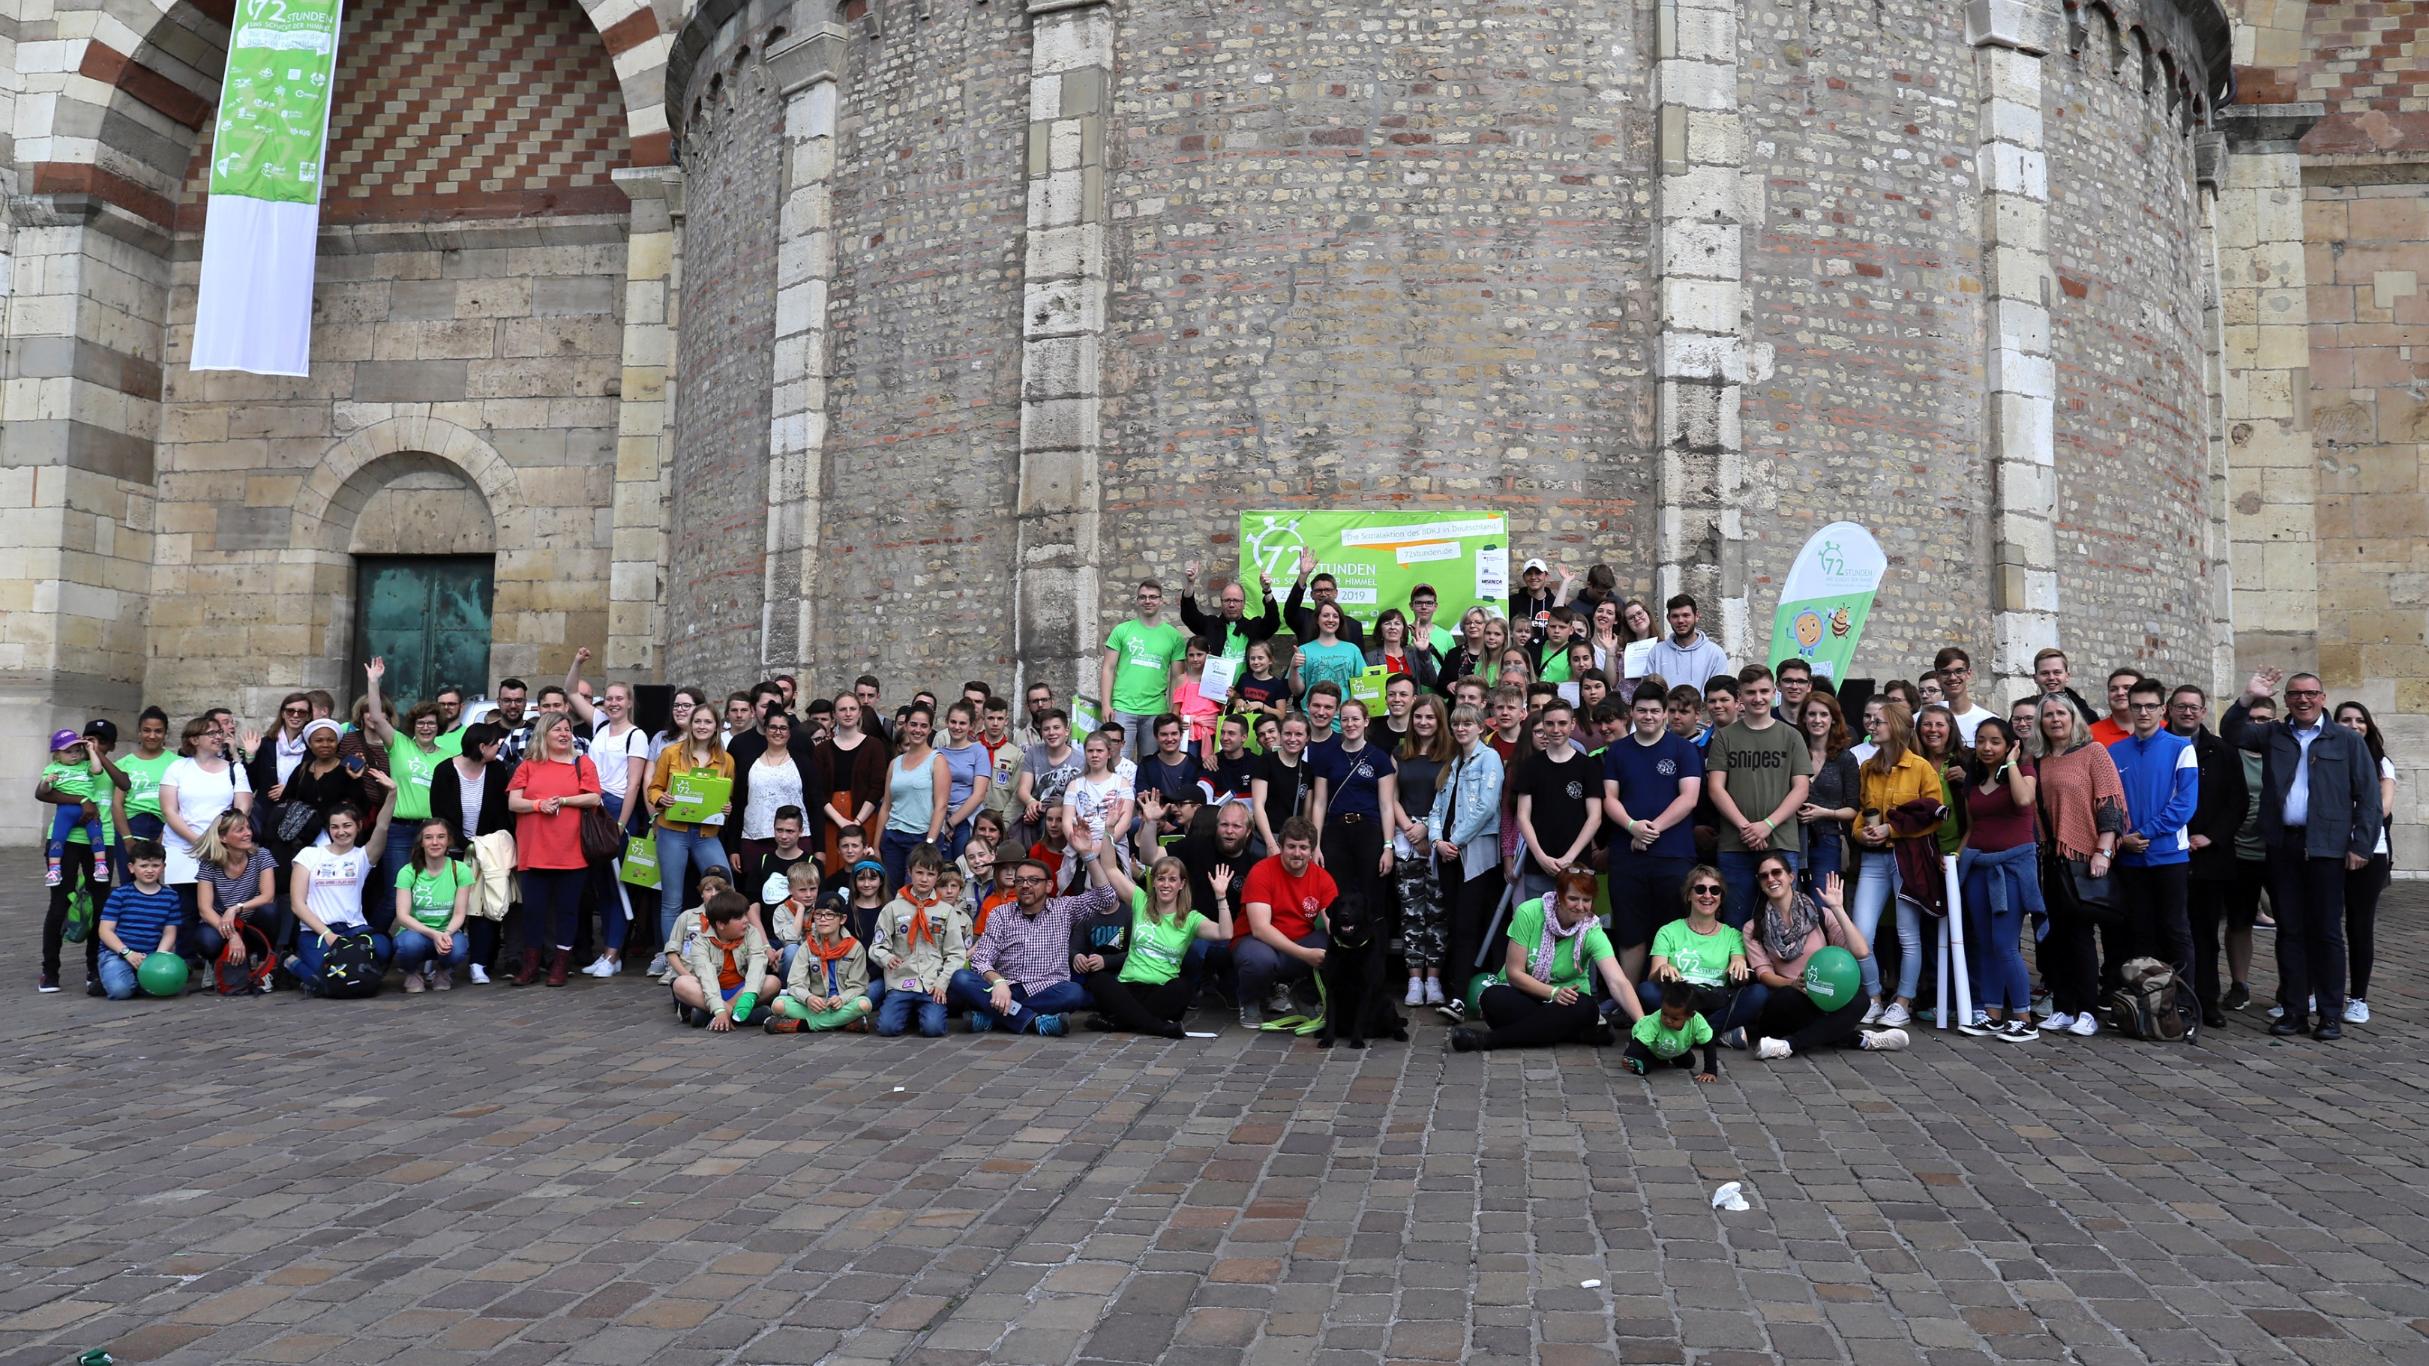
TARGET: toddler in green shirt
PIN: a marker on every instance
(1668, 1037)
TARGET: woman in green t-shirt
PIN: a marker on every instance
(1706, 954)
(433, 893)
(1545, 995)
(1142, 990)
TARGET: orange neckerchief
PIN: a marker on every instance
(729, 973)
(844, 947)
(987, 908)
(921, 927)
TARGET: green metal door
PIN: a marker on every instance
(428, 616)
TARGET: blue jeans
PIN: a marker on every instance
(682, 854)
(416, 950)
(970, 991)
(552, 906)
(67, 822)
(1260, 965)
(1743, 894)
(1825, 853)
(1993, 937)
(117, 976)
(1207, 958)
(308, 949)
(894, 1011)
(1876, 884)
(894, 851)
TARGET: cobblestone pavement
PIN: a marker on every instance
(523, 1176)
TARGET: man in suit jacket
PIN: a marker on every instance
(2216, 818)
(2319, 818)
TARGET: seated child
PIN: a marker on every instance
(74, 771)
(139, 920)
(785, 827)
(788, 897)
(713, 879)
(861, 894)
(723, 971)
(1667, 1038)
(828, 986)
(921, 940)
(851, 846)
(953, 889)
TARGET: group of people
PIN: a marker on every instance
(1572, 840)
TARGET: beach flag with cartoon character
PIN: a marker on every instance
(253, 311)
(1825, 597)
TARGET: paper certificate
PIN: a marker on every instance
(1214, 684)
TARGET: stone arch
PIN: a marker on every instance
(329, 505)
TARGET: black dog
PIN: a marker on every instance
(1355, 998)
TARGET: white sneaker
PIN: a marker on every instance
(480, 975)
(2057, 1022)
(2277, 1012)
(2085, 1026)
(1896, 1015)
(1885, 1040)
(600, 968)
(1771, 1050)
(1416, 992)
(1433, 991)
(2043, 1005)
(2357, 1011)
(1872, 1013)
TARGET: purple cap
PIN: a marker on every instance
(65, 739)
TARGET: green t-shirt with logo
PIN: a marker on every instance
(1702, 959)
(143, 781)
(412, 767)
(1526, 931)
(1666, 1043)
(1156, 947)
(77, 780)
(1143, 657)
(434, 893)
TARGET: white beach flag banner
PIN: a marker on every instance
(254, 309)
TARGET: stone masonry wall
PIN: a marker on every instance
(1377, 255)
(922, 450)
(1865, 282)
(2126, 322)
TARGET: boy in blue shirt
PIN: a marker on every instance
(139, 920)
(2162, 779)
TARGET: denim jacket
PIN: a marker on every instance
(1467, 810)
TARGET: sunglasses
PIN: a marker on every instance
(1705, 890)
(1774, 874)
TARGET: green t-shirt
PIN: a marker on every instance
(1156, 948)
(1143, 657)
(1556, 666)
(76, 780)
(1702, 959)
(450, 743)
(143, 781)
(1526, 931)
(1667, 1043)
(434, 893)
(412, 767)
(1760, 765)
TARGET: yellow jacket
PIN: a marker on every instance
(1912, 778)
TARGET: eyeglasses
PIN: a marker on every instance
(1705, 890)
(1032, 881)
(2292, 693)
(2147, 706)
(295, 711)
(1773, 874)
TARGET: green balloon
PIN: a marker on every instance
(162, 974)
(744, 1003)
(1832, 978)
(1475, 997)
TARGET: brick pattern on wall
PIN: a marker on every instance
(2132, 439)
(1866, 282)
(717, 557)
(922, 448)
(462, 109)
(1379, 255)
(2368, 61)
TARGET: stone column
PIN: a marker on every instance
(1062, 324)
(2264, 302)
(2218, 569)
(1703, 361)
(2011, 162)
(645, 428)
(808, 72)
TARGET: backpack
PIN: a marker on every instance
(349, 970)
(82, 915)
(244, 966)
(2146, 1006)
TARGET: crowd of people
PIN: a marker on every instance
(1567, 840)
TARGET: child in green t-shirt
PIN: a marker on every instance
(1669, 1036)
(74, 773)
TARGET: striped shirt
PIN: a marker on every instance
(140, 916)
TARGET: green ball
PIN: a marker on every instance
(162, 974)
(1832, 978)
(1475, 996)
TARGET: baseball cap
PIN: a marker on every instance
(106, 731)
(1532, 565)
(63, 739)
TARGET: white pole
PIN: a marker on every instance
(1952, 949)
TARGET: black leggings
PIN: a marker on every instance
(1352, 848)
(2362, 888)
(1522, 1021)
(1791, 1015)
(1467, 912)
(1141, 1007)
(77, 868)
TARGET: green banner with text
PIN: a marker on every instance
(1377, 557)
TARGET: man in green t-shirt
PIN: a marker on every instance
(1135, 676)
(1757, 769)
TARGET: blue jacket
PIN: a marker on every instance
(2162, 778)
(1467, 810)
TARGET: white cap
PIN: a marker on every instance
(1532, 565)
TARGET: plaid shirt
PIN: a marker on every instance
(1035, 950)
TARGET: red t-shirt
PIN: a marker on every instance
(2107, 731)
(1296, 900)
(541, 840)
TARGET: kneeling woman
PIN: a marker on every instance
(1787, 930)
(1545, 996)
(331, 881)
(433, 894)
(828, 986)
(236, 880)
(1141, 989)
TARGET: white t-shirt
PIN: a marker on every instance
(772, 787)
(336, 893)
(612, 753)
(1090, 798)
(201, 796)
(1971, 719)
(2386, 770)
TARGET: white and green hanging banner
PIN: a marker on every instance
(254, 309)
(1825, 597)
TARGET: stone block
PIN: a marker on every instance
(573, 296)
(408, 381)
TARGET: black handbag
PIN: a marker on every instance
(2067, 884)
